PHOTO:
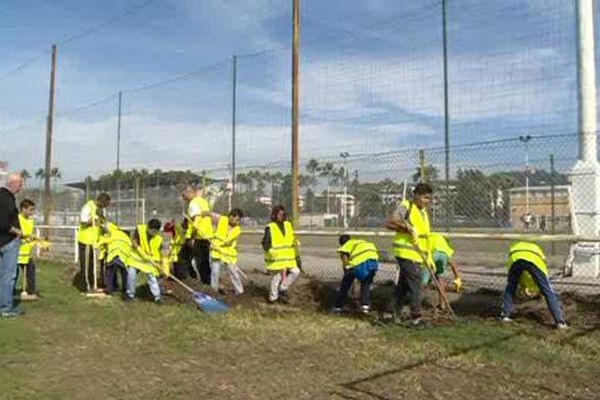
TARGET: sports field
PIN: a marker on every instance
(67, 346)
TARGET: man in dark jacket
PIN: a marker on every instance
(10, 240)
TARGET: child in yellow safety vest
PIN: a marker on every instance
(26, 264)
(116, 245)
(360, 260)
(281, 253)
(441, 251)
(176, 260)
(224, 249)
(146, 257)
(527, 268)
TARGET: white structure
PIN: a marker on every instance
(584, 258)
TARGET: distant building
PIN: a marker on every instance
(540, 207)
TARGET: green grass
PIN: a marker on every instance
(70, 347)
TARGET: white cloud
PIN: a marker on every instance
(508, 84)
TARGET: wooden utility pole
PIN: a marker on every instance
(49, 125)
(233, 122)
(295, 115)
(422, 167)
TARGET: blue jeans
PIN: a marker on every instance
(9, 255)
(152, 283)
(540, 279)
(347, 280)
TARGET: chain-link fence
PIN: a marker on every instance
(516, 186)
(367, 89)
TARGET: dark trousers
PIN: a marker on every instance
(365, 288)
(29, 277)
(113, 269)
(200, 254)
(408, 288)
(87, 276)
(540, 279)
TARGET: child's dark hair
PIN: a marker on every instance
(423, 188)
(26, 203)
(236, 212)
(154, 224)
(103, 197)
(276, 210)
(343, 239)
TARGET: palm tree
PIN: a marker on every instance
(55, 174)
(326, 171)
(313, 168)
(40, 174)
(243, 179)
(25, 175)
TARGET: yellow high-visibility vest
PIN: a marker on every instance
(199, 227)
(118, 245)
(533, 253)
(26, 244)
(89, 234)
(439, 242)
(403, 243)
(147, 257)
(359, 251)
(176, 243)
(224, 243)
(150, 247)
(282, 254)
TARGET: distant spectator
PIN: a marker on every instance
(543, 223)
(527, 218)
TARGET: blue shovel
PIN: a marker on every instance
(204, 302)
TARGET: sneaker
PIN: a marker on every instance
(365, 309)
(387, 317)
(283, 294)
(337, 310)
(562, 326)
(158, 300)
(506, 319)
(417, 323)
(15, 312)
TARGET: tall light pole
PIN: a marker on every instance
(525, 139)
(344, 155)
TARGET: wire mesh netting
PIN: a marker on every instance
(372, 126)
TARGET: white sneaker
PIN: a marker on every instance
(562, 326)
(417, 322)
(365, 309)
(337, 310)
(506, 319)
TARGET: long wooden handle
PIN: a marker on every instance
(436, 283)
(186, 287)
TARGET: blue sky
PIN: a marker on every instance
(370, 78)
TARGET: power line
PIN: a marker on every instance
(78, 36)
(106, 23)
(184, 76)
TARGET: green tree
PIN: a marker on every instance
(474, 195)
(431, 174)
